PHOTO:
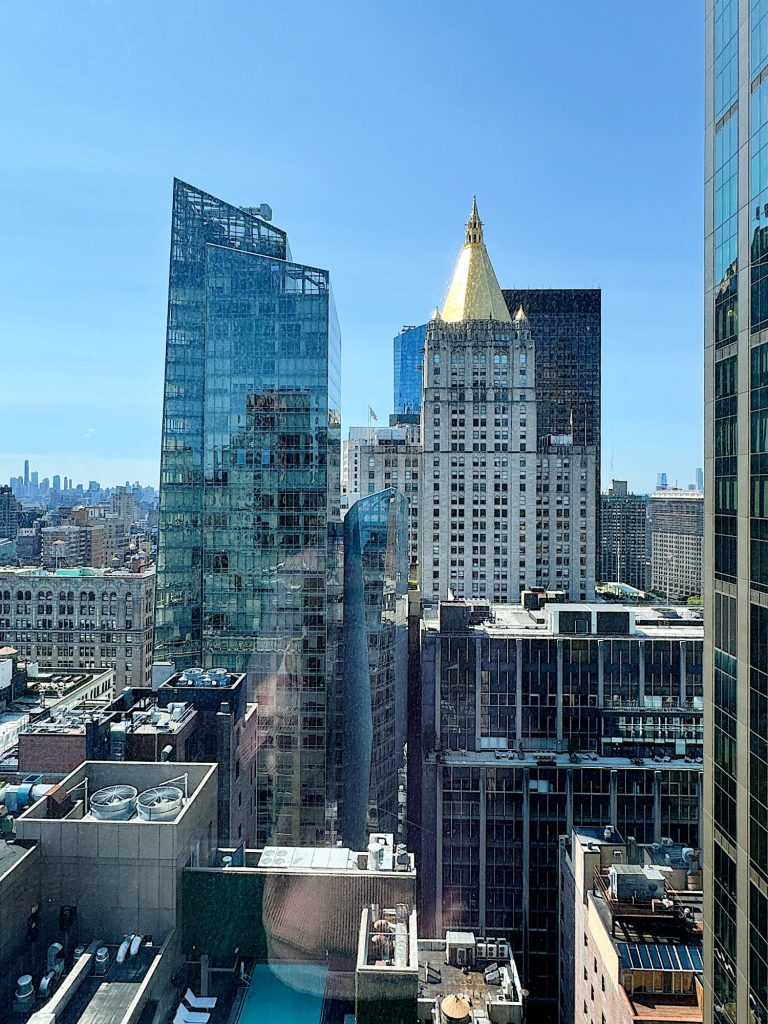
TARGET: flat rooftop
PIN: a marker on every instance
(466, 983)
(539, 759)
(308, 858)
(513, 620)
(208, 678)
(106, 1000)
(11, 853)
(78, 573)
(66, 801)
(594, 835)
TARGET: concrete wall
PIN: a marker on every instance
(123, 876)
(20, 892)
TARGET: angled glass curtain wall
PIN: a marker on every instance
(249, 488)
(374, 694)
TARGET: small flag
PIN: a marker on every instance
(372, 415)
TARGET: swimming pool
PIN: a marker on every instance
(290, 993)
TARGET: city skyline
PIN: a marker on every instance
(107, 406)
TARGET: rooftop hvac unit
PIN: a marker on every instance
(45, 988)
(101, 962)
(161, 803)
(55, 958)
(114, 803)
(24, 997)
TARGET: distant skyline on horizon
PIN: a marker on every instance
(579, 185)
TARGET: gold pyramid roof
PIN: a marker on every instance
(474, 293)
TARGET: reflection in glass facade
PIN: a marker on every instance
(726, 264)
(248, 574)
(409, 356)
(736, 513)
(374, 696)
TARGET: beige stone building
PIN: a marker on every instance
(81, 619)
(502, 508)
(630, 931)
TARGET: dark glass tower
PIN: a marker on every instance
(247, 569)
(375, 662)
(566, 323)
(409, 357)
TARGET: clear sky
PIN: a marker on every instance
(367, 127)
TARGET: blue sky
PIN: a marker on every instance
(367, 127)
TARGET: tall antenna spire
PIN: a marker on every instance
(474, 233)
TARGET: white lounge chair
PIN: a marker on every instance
(185, 1016)
(199, 1002)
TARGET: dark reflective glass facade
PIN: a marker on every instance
(499, 714)
(248, 576)
(566, 325)
(374, 688)
(408, 360)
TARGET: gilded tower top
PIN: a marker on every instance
(474, 293)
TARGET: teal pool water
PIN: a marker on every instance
(289, 993)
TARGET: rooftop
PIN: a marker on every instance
(11, 852)
(145, 569)
(529, 758)
(508, 620)
(325, 859)
(212, 678)
(123, 793)
(486, 979)
(100, 1000)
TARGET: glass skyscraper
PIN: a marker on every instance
(248, 573)
(736, 511)
(409, 356)
(374, 697)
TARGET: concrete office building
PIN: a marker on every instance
(381, 457)
(630, 931)
(81, 619)
(505, 504)
(624, 537)
(532, 723)
(121, 875)
(736, 511)
(676, 523)
(88, 864)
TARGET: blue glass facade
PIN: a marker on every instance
(409, 355)
(375, 662)
(250, 478)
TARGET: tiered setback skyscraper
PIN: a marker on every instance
(506, 503)
(736, 511)
(248, 577)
